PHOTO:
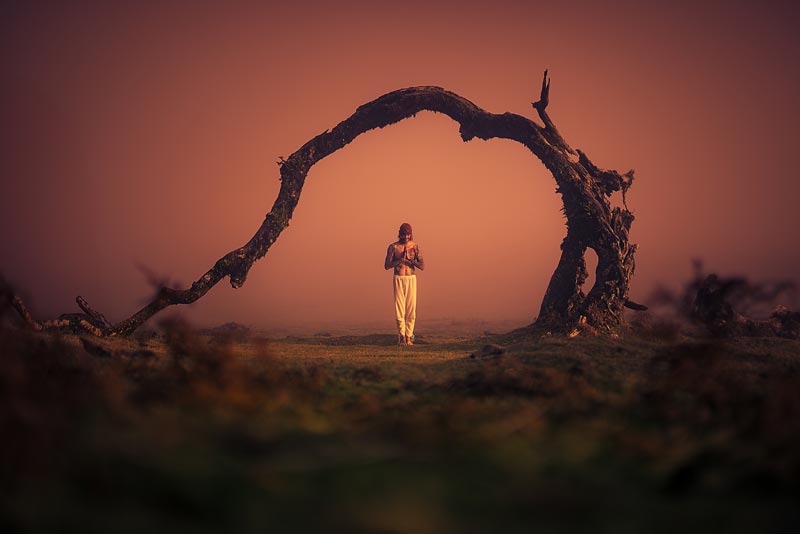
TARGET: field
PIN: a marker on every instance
(653, 431)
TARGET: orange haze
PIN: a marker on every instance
(147, 133)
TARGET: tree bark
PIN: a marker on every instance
(585, 190)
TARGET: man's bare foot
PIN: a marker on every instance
(408, 341)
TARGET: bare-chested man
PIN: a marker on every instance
(403, 256)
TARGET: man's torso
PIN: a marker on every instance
(408, 251)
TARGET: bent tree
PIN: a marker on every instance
(584, 188)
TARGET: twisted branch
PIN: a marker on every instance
(588, 214)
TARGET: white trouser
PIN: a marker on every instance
(405, 303)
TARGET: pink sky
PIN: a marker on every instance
(149, 135)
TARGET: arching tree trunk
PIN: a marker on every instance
(585, 190)
(561, 305)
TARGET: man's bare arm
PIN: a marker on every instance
(418, 262)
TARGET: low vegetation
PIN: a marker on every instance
(221, 430)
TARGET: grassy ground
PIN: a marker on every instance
(649, 432)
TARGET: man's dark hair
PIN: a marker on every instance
(405, 228)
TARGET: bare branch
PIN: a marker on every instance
(544, 96)
(97, 318)
(18, 305)
(551, 132)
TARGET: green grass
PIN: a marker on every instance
(191, 432)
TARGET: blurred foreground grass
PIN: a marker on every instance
(189, 432)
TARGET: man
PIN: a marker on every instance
(403, 256)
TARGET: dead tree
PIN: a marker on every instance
(585, 190)
(712, 308)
